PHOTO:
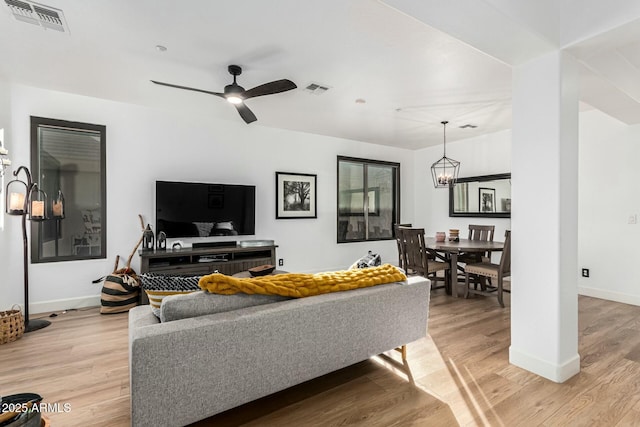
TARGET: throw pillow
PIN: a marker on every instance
(176, 307)
(158, 286)
(224, 228)
(369, 260)
(204, 228)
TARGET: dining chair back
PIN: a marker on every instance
(486, 269)
(478, 232)
(417, 260)
(396, 233)
(481, 232)
(505, 259)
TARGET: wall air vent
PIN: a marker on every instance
(316, 88)
(47, 17)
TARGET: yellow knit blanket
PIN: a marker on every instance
(299, 285)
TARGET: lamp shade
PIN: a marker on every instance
(16, 198)
(57, 206)
(38, 204)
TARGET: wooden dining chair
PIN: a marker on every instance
(481, 232)
(417, 260)
(478, 232)
(486, 269)
(396, 232)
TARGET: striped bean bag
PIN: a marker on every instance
(119, 293)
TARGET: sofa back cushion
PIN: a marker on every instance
(200, 303)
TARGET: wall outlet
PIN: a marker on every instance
(585, 272)
(280, 262)
(633, 219)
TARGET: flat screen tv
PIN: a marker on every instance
(189, 209)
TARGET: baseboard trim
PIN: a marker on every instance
(550, 371)
(609, 295)
(64, 304)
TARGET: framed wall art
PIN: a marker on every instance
(295, 195)
(487, 199)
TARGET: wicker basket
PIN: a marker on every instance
(11, 325)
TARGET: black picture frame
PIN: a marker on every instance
(474, 211)
(486, 199)
(296, 195)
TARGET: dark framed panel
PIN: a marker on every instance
(486, 199)
(486, 196)
(368, 199)
(71, 157)
(296, 195)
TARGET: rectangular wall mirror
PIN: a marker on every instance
(69, 156)
(481, 196)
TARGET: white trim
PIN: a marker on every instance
(556, 373)
(63, 304)
(609, 295)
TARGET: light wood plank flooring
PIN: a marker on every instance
(459, 375)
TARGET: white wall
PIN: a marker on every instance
(6, 253)
(145, 144)
(485, 155)
(609, 194)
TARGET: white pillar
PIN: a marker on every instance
(544, 300)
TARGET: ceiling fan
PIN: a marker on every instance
(236, 95)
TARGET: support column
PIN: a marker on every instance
(544, 300)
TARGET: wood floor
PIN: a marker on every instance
(459, 375)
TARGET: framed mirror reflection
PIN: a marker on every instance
(481, 196)
(69, 157)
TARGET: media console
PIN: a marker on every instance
(201, 261)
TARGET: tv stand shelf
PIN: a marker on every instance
(201, 261)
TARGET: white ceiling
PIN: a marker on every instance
(389, 53)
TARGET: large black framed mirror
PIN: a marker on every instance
(481, 196)
(71, 157)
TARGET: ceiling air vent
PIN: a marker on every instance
(43, 16)
(316, 88)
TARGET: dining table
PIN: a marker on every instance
(448, 251)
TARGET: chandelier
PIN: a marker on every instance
(445, 170)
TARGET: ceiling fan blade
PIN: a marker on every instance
(270, 88)
(221, 95)
(246, 114)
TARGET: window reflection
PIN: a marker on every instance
(368, 199)
(70, 156)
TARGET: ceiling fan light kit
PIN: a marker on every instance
(236, 95)
(445, 171)
(233, 92)
(234, 99)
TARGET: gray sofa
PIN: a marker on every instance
(187, 370)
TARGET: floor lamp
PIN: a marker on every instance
(26, 199)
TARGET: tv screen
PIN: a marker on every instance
(188, 209)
